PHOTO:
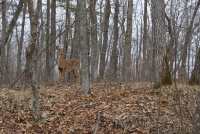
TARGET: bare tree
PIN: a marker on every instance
(48, 67)
(30, 71)
(195, 76)
(52, 39)
(85, 71)
(126, 70)
(21, 41)
(107, 11)
(114, 54)
(76, 40)
(158, 37)
(187, 42)
(12, 24)
(93, 33)
(67, 27)
(2, 46)
(145, 43)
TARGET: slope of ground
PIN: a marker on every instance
(111, 109)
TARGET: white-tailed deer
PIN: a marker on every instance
(67, 65)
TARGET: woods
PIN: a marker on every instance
(112, 44)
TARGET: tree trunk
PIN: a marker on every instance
(195, 76)
(48, 68)
(21, 41)
(114, 54)
(187, 42)
(126, 70)
(107, 11)
(52, 40)
(12, 24)
(93, 33)
(2, 47)
(30, 71)
(100, 35)
(145, 34)
(40, 42)
(85, 71)
(158, 38)
(67, 27)
(76, 40)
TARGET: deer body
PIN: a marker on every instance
(67, 65)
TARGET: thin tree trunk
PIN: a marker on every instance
(187, 42)
(114, 54)
(195, 76)
(48, 68)
(2, 46)
(12, 24)
(67, 27)
(93, 33)
(76, 39)
(107, 11)
(100, 35)
(53, 38)
(30, 71)
(122, 39)
(40, 41)
(145, 34)
(127, 46)
(21, 41)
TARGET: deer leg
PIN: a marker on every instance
(76, 74)
(61, 74)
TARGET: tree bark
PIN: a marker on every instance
(93, 33)
(30, 71)
(48, 67)
(195, 76)
(76, 40)
(21, 41)
(114, 54)
(107, 11)
(12, 24)
(158, 38)
(2, 46)
(85, 71)
(67, 27)
(126, 70)
(52, 40)
(145, 34)
(187, 42)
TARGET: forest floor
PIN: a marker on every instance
(132, 108)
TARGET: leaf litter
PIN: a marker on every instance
(131, 108)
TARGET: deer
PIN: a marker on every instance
(67, 65)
